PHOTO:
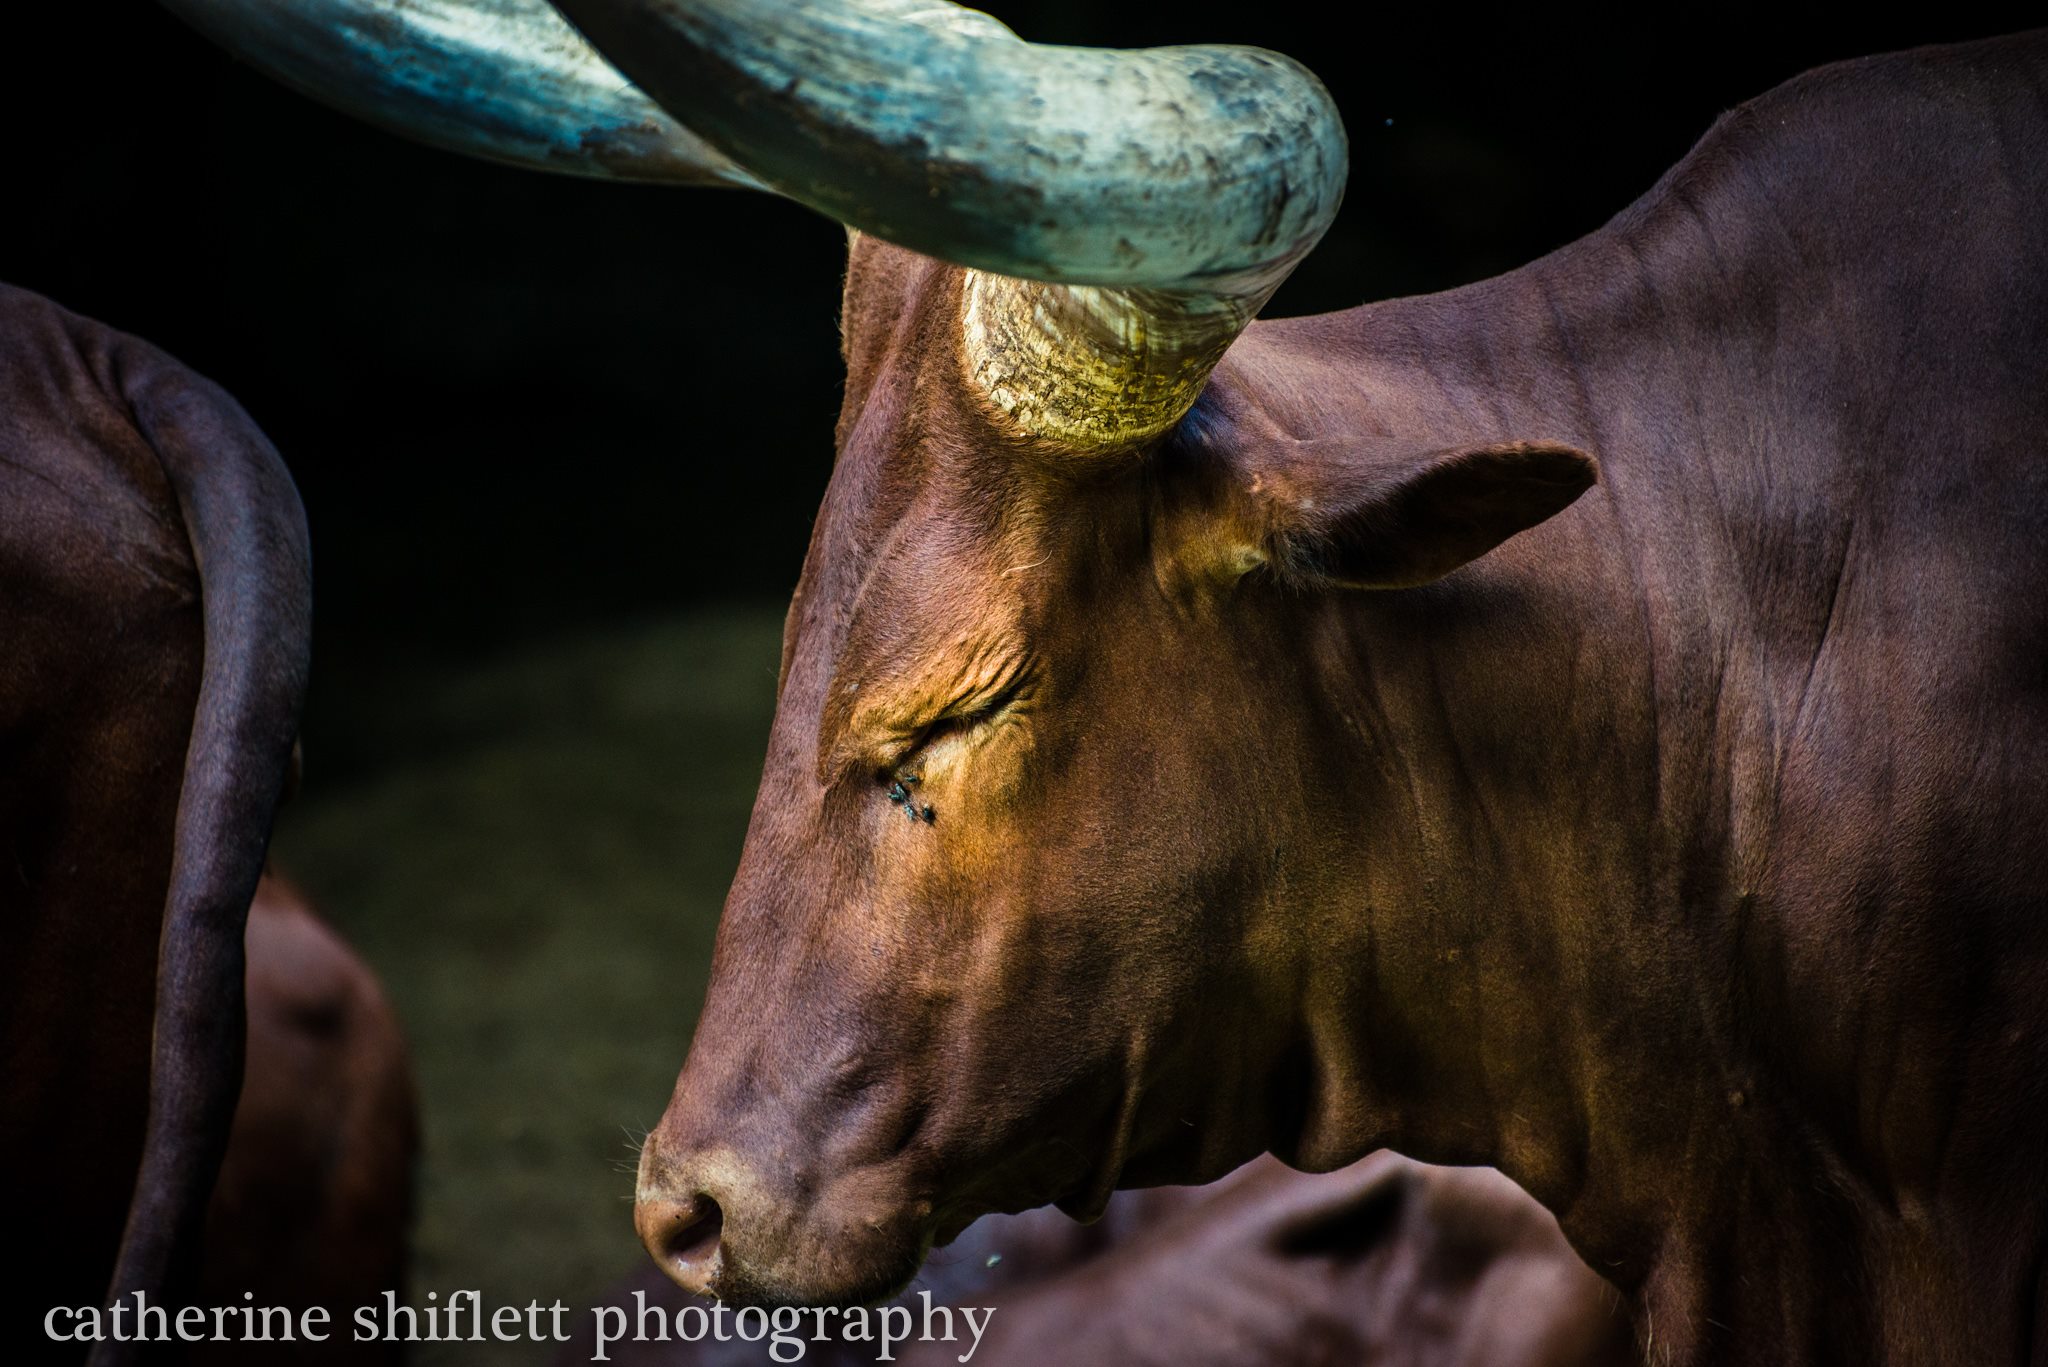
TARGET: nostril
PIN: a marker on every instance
(683, 1237)
(698, 1240)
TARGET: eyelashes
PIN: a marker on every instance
(958, 725)
(949, 727)
(962, 724)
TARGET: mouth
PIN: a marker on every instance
(749, 1233)
(758, 1243)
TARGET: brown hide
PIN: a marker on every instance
(97, 687)
(155, 626)
(1350, 769)
(314, 1200)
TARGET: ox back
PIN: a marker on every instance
(155, 627)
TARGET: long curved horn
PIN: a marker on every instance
(506, 80)
(1125, 213)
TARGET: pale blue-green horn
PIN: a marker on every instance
(1123, 214)
(934, 126)
(507, 80)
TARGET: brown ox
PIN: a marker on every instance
(155, 628)
(1332, 762)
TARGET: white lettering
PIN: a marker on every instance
(987, 1315)
(929, 1309)
(611, 1328)
(786, 1319)
(888, 1315)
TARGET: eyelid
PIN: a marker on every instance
(968, 713)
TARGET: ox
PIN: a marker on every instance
(1384, 1261)
(156, 623)
(1589, 722)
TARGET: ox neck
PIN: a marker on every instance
(1531, 871)
(1560, 837)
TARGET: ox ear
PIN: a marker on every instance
(1387, 524)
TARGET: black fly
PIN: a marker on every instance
(900, 795)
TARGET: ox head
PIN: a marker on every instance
(1023, 911)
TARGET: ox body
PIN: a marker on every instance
(1590, 722)
(155, 623)
(1682, 857)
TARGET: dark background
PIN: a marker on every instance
(515, 402)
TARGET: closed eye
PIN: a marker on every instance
(961, 723)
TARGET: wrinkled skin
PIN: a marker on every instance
(1352, 770)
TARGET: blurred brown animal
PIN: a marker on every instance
(1386, 1261)
(315, 1196)
(155, 616)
